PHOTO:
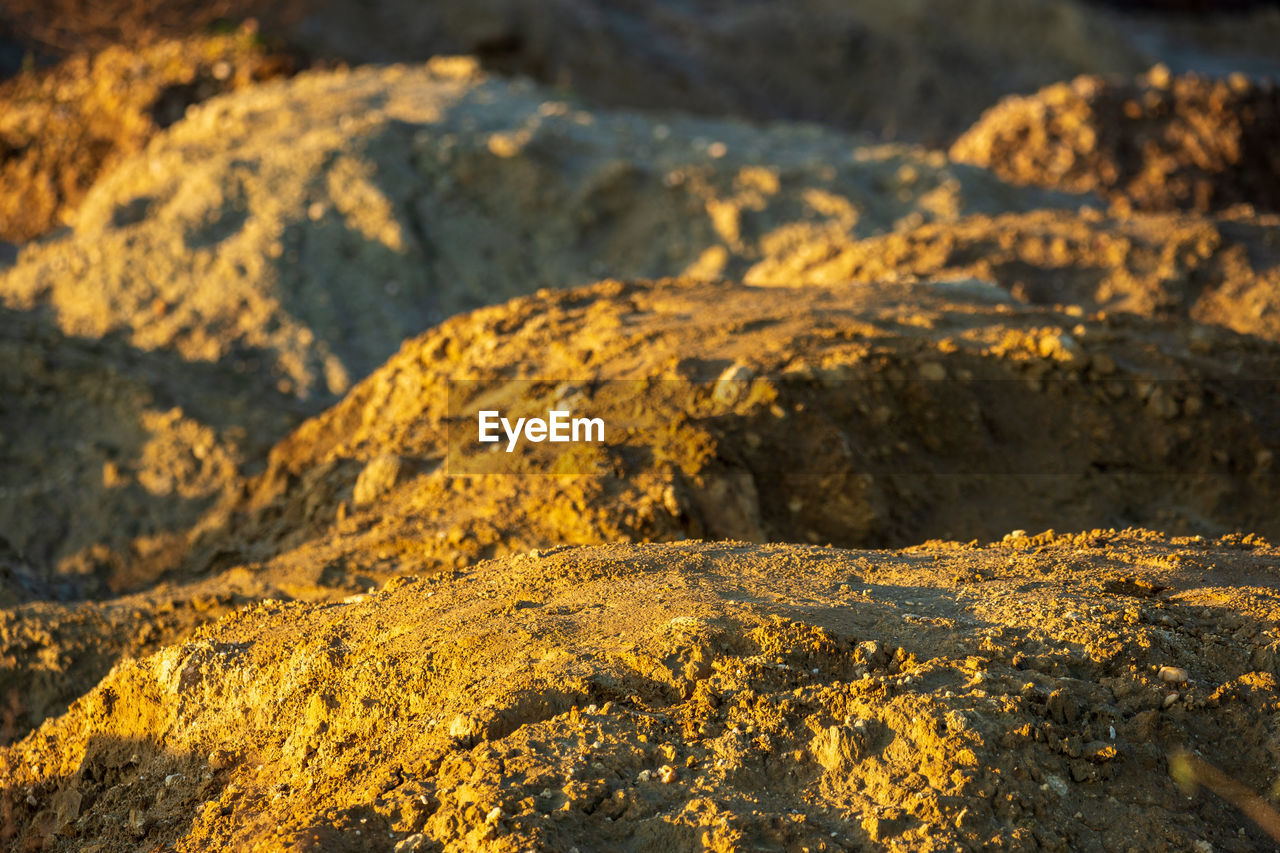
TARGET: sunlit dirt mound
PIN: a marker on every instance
(319, 221)
(281, 242)
(867, 414)
(1158, 142)
(1220, 271)
(109, 453)
(1022, 695)
(62, 128)
(872, 414)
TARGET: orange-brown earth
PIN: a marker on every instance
(69, 28)
(866, 414)
(862, 415)
(1219, 271)
(253, 240)
(1159, 142)
(919, 352)
(64, 127)
(283, 240)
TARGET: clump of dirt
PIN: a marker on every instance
(108, 454)
(1222, 271)
(696, 696)
(63, 128)
(1158, 142)
(920, 351)
(323, 219)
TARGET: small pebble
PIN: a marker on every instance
(1172, 674)
(412, 844)
(1170, 699)
(666, 774)
(732, 383)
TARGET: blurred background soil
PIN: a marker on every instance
(93, 81)
(63, 127)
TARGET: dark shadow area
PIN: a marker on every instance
(769, 62)
(1197, 8)
(18, 54)
(112, 799)
(109, 452)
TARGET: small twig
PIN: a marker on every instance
(1189, 771)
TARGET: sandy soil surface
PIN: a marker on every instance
(109, 453)
(858, 414)
(1020, 695)
(260, 589)
(323, 219)
(899, 396)
(228, 357)
(281, 242)
(1220, 271)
